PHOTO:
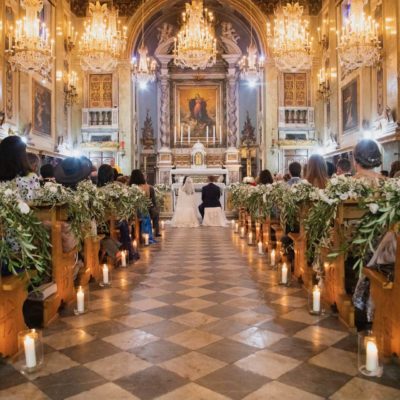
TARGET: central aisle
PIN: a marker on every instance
(199, 317)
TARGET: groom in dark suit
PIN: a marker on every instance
(210, 195)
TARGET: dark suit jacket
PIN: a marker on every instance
(210, 195)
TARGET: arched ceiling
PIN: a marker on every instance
(128, 7)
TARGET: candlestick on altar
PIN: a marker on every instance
(207, 134)
(189, 134)
(175, 135)
(220, 134)
(214, 135)
(181, 135)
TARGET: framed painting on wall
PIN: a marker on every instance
(350, 106)
(41, 109)
(198, 112)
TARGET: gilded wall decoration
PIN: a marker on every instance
(9, 92)
(350, 106)
(380, 102)
(41, 103)
(295, 89)
(100, 91)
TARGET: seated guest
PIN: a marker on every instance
(295, 173)
(385, 173)
(317, 173)
(394, 169)
(73, 170)
(367, 156)
(47, 173)
(265, 177)
(34, 161)
(330, 169)
(286, 178)
(104, 177)
(137, 178)
(15, 166)
(343, 167)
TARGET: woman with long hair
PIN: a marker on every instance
(14, 165)
(137, 178)
(317, 174)
(186, 213)
(265, 177)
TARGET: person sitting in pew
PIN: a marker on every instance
(317, 174)
(343, 167)
(367, 156)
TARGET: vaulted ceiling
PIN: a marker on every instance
(128, 7)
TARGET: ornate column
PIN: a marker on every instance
(164, 156)
(232, 160)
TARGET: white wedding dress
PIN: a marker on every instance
(186, 213)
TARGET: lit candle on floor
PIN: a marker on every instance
(260, 248)
(236, 227)
(80, 299)
(242, 232)
(316, 299)
(284, 274)
(106, 280)
(134, 245)
(146, 239)
(233, 224)
(30, 351)
(273, 258)
(250, 239)
(372, 363)
(162, 225)
(123, 258)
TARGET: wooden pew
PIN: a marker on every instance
(266, 234)
(92, 268)
(13, 293)
(335, 291)
(386, 295)
(62, 263)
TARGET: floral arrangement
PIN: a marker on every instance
(326, 201)
(161, 190)
(23, 238)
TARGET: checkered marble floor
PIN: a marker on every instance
(200, 316)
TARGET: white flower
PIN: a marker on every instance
(23, 207)
(85, 197)
(344, 196)
(8, 192)
(334, 181)
(53, 189)
(373, 207)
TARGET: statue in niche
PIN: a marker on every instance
(165, 32)
(228, 32)
(248, 136)
(148, 132)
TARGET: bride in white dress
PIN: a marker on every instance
(186, 213)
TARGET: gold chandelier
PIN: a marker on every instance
(195, 46)
(103, 40)
(359, 44)
(290, 42)
(144, 67)
(29, 43)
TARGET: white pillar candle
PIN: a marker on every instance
(250, 238)
(273, 258)
(220, 134)
(123, 258)
(106, 280)
(260, 248)
(372, 362)
(175, 134)
(181, 134)
(146, 239)
(316, 299)
(189, 134)
(284, 274)
(30, 351)
(162, 225)
(80, 299)
(236, 227)
(233, 224)
(242, 232)
(134, 245)
(214, 134)
(207, 134)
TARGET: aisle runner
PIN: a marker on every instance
(199, 317)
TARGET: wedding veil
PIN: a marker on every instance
(188, 187)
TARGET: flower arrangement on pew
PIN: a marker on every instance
(326, 201)
(161, 190)
(383, 214)
(23, 238)
(124, 201)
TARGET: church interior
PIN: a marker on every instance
(290, 108)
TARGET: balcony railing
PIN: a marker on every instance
(296, 117)
(100, 118)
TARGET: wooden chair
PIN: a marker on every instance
(13, 293)
(386, 295)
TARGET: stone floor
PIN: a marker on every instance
(199, 317)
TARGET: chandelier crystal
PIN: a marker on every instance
(359, 44)
(103, 40)
(251, 66)
(290, 42)
(29, 43)
(144, 67)
(195, 46)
